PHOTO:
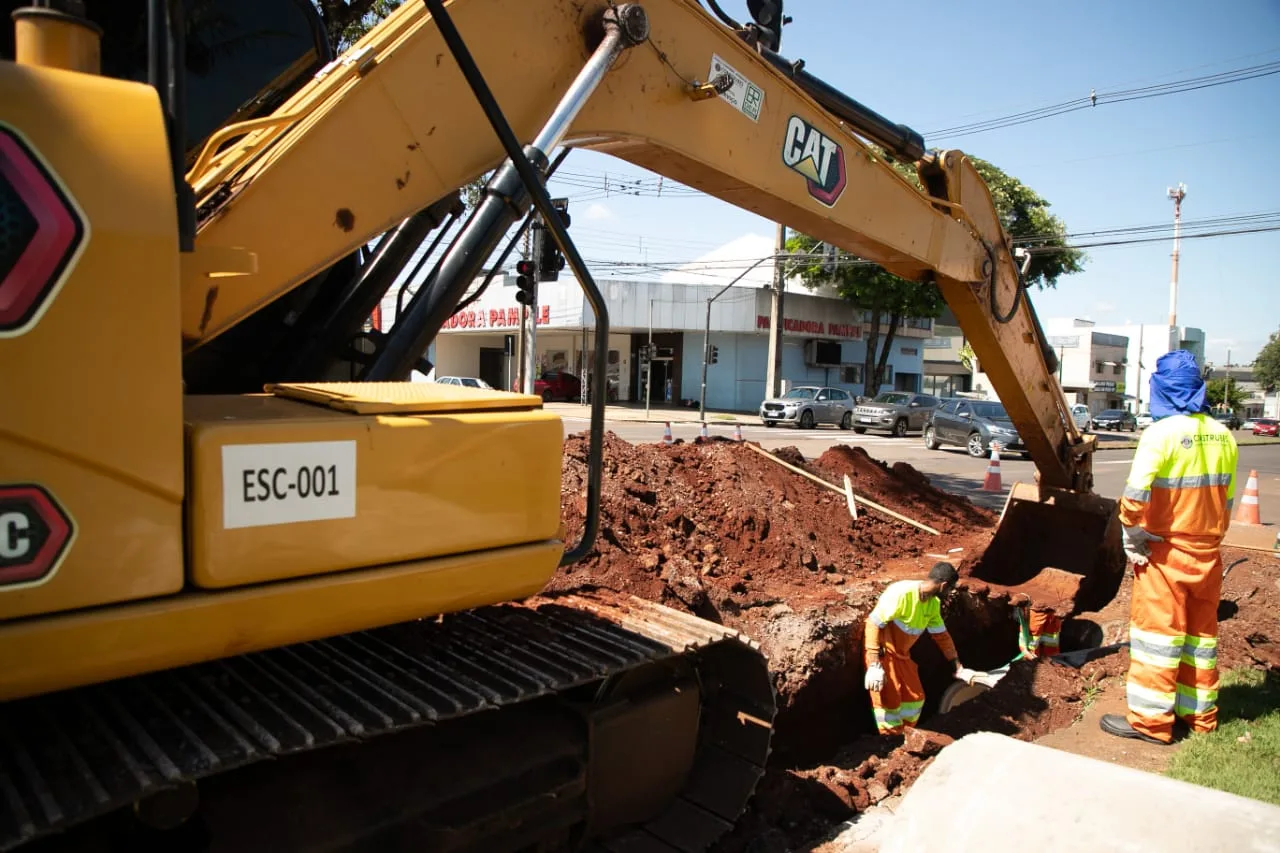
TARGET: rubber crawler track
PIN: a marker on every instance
(72, 756)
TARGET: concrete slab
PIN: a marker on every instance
(989, 792)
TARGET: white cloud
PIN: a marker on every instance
(598, 212)
(724, 263)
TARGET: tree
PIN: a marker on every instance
(1266, 365)
(889, 299)
(1215, 389)
(345, 21)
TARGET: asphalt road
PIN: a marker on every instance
(950, 468)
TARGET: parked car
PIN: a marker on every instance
(895, 411)
(973, 425)
(1266, 426)
(1145, 420)
(1115, 419)
(465, 381)
(558, 385)
(1248, 423)
(1080, 414)
(808, 406)
(1228, 419)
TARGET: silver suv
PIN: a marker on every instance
(895, 411)
(808, 406)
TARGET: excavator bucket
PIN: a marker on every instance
(1061, 549)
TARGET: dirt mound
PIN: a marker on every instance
(719, 530)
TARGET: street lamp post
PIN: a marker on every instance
(706, 333)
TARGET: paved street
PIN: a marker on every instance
(949, 468)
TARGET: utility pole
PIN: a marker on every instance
(773, 375)
(1177, 193)
(1139, 388)
(648, 370)
(1226, 391)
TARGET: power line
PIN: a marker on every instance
(1095, 99)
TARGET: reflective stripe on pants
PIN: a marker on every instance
(897, 704)
(1173, 646)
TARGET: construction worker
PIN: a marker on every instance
(1038, 629)
(906, 609)
(1175, 510)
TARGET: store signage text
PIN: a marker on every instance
(494, 318)
(815, 327)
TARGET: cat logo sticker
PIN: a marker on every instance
(820, 159)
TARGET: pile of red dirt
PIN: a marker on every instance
(720, 530)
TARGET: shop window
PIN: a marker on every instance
(851, 374)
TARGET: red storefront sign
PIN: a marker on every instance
(494, 318)
(852, 331)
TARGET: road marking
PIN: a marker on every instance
(1115, 462)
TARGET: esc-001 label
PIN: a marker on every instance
(265, 484)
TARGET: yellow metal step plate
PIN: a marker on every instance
(402, 398)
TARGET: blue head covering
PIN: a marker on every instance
(1177, 387)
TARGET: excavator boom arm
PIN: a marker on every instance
(392, 127)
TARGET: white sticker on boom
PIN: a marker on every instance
(264, 484)
(744, 96)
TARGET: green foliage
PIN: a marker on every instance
(1215, 389)
(1243, 755)
(346, 21)
(1025, 216)
(1266, 366)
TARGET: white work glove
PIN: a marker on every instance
(1135, 544)
(874, 679)
(966, 675)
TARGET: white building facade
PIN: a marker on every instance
(477, 340)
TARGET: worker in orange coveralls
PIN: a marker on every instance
(1175, 510)
(1038, 632)
(906, 610)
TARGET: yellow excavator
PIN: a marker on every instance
(258, 591)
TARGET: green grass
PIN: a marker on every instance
(1248, 701)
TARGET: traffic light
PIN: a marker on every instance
(715, 354)
(526, 285)
(550, 260)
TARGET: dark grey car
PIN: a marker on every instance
(973, 425)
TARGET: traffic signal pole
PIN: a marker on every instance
(529, 317)
(706, 333)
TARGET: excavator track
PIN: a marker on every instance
(72, 762)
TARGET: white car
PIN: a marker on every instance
(1248, 424)
(465, 381)
(1080, 414)
(1145, 420)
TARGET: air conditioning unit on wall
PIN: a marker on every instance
(819, 353)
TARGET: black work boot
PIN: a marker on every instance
(1114, 724)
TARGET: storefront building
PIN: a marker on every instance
(823, 342)
(1092, 365)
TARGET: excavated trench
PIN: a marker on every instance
(718, 530)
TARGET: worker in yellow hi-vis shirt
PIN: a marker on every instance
(1175, 510)
(906, 610)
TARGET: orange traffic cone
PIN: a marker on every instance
(991, 483)
(737, 432)
(702, 433)
(1247, 512)
(666, 434)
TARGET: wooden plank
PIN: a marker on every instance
(839, 491)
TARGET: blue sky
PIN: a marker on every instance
(943, 64)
